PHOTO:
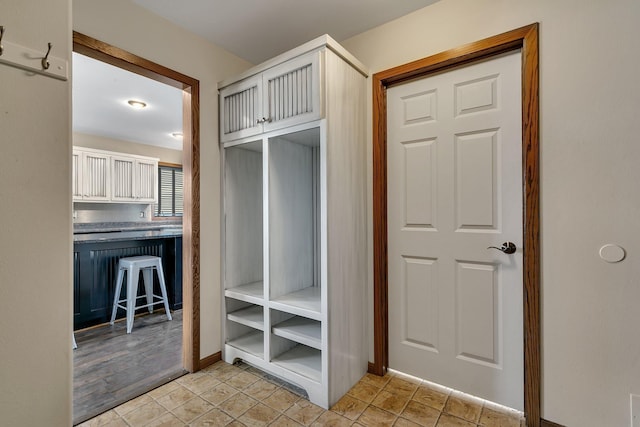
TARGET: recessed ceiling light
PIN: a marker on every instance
(177, 135)
(138, 105)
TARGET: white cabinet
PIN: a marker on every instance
(133, 179)
(280, 96)
(91, 175)
(294, 264)
(76, 176)
(104, 176)
(241, 109)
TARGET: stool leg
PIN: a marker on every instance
(147, 276)
(116, 297)
(132, 292)
(163, 289)
(73, 337)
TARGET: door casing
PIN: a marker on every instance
(525, 39)
(191, 168)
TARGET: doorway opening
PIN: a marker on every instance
(188, 252)
(526, 39)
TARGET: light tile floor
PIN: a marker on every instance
(240, 395)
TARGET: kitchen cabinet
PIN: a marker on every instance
(104, 176)
(133, 179)
(294, 224)
(281, 96)
(91, 176)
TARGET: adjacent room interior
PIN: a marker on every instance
(127, 187)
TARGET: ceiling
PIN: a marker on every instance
(257, 30)
(254, 30)
(100, 93)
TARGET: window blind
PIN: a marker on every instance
(170, 192)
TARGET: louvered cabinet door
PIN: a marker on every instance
(123, 179)
(76, 175)
(241, 109)
(95, 177)
(292, 92)
(146, 175)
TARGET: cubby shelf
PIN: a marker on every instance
(301, 330)
(251, 292)
(251, 316)
(302, 360)
(253, 343)
(305, 302)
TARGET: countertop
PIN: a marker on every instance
(111, 232)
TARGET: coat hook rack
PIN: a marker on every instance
(45, 60)
(31, 60)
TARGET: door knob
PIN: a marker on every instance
(507, 248)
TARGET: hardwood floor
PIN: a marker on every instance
(112, 367)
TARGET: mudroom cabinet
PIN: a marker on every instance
(294, 218)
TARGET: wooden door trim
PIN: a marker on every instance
(191, 168)
(525, 39)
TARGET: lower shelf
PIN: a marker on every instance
(300, 329)
(302, 360)
(253, 343)
(249, 316)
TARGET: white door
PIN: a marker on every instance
(454, 189)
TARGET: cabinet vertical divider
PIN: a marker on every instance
(265, 251)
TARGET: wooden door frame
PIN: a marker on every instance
(525, 39)
(191, 169)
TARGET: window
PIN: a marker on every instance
(170, 184)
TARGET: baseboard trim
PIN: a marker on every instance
(545, 423)
(210, 360)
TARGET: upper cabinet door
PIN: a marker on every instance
(122, 177)
(292, 92)
(76, 175)
(95, 178)
(146, 175)
(241, 109)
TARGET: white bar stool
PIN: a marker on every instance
(133, 265)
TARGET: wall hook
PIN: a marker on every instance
(45, 61)
(1, 35)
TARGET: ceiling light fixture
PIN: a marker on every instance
(177, 135)
(138, 105)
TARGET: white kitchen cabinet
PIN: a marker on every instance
(105, 176)
(281, 96)
(294, 267)
(133, 179)
(76, 175)
(91, 176)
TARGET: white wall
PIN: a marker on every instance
(166, 155)
(35, 254)
(124, 24)
(590, 100)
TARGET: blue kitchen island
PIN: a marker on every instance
(97, 249)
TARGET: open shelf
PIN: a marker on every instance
(252, 342)
(301, 330)
(305, 302)
(251, 292)
(251, 316)
(302, 360)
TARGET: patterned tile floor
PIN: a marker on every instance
(240, 395)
